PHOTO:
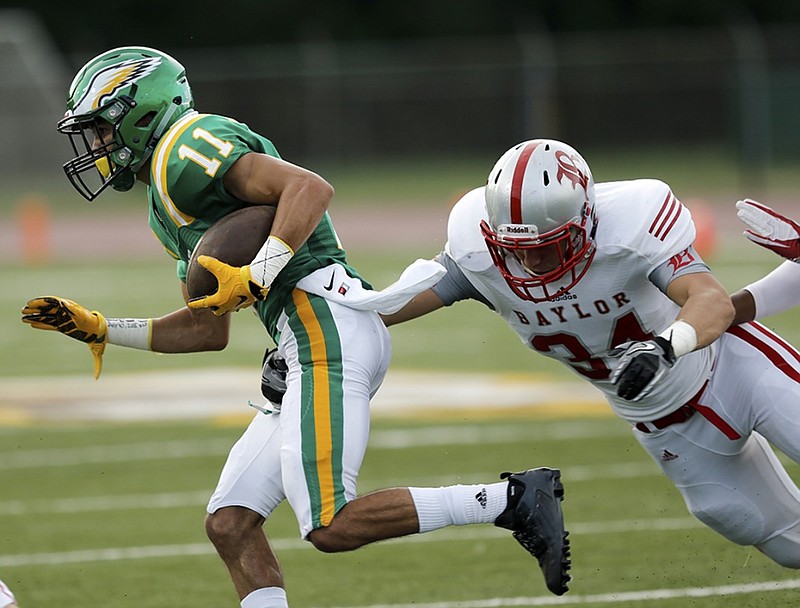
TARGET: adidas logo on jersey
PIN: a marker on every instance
(481, 498)
(667, 456)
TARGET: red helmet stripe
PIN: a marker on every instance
(516, 182)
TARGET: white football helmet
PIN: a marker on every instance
(540, 200)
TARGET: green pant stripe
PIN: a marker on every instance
(321, 406)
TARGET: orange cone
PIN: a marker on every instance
(34, 230)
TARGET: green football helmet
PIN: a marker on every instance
(119, 105)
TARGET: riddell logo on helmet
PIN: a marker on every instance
(517, 229)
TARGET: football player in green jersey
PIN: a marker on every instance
(130, 117)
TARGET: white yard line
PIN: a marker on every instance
(607, 598)
(472, 534)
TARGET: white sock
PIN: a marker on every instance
(266, 597)
(459, 505)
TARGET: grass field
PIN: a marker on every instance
(111, 515)
(98, 514)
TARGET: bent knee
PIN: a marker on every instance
(325, 541)
(230, 524)
(331, 539)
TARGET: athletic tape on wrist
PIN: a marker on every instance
(270, 260)
(682, 336)
(133, 333)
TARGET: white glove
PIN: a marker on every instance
(770, 229)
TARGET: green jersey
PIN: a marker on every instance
(187, 196)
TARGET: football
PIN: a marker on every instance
(234, 239)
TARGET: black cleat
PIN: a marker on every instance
(534, 516)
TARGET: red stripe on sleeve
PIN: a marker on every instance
(674, 219)
(660, 231)
(660, 213)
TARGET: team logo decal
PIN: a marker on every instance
(107, 82)
(680, 260)
(567, 167)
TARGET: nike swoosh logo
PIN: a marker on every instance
(329, 286)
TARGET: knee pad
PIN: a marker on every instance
(727, 512)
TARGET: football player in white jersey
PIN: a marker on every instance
(780, 289)
(7, 599)
(604, 278)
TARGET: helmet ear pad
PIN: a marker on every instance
(126, 179)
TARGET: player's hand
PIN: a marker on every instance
(770, 229)
(641, 365)
(235, 288)
(71, 319)
(273, 377)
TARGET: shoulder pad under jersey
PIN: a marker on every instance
(465, 242)
(643, 215)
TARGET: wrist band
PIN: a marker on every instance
(269, 261)
(133, 333)
(682, 336)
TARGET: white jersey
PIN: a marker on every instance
(641, 227)
(6, 597)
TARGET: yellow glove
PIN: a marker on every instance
(71, 319)
(235, 290)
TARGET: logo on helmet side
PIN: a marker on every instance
(107, 82)
(568, 167)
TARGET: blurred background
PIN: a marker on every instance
(367, 80)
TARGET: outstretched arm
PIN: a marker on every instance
(420, 305)
(182, 331)
(188, 331)
(770, 295)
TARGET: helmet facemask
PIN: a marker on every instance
(101, 156)
(569, 249)
(541, 225)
